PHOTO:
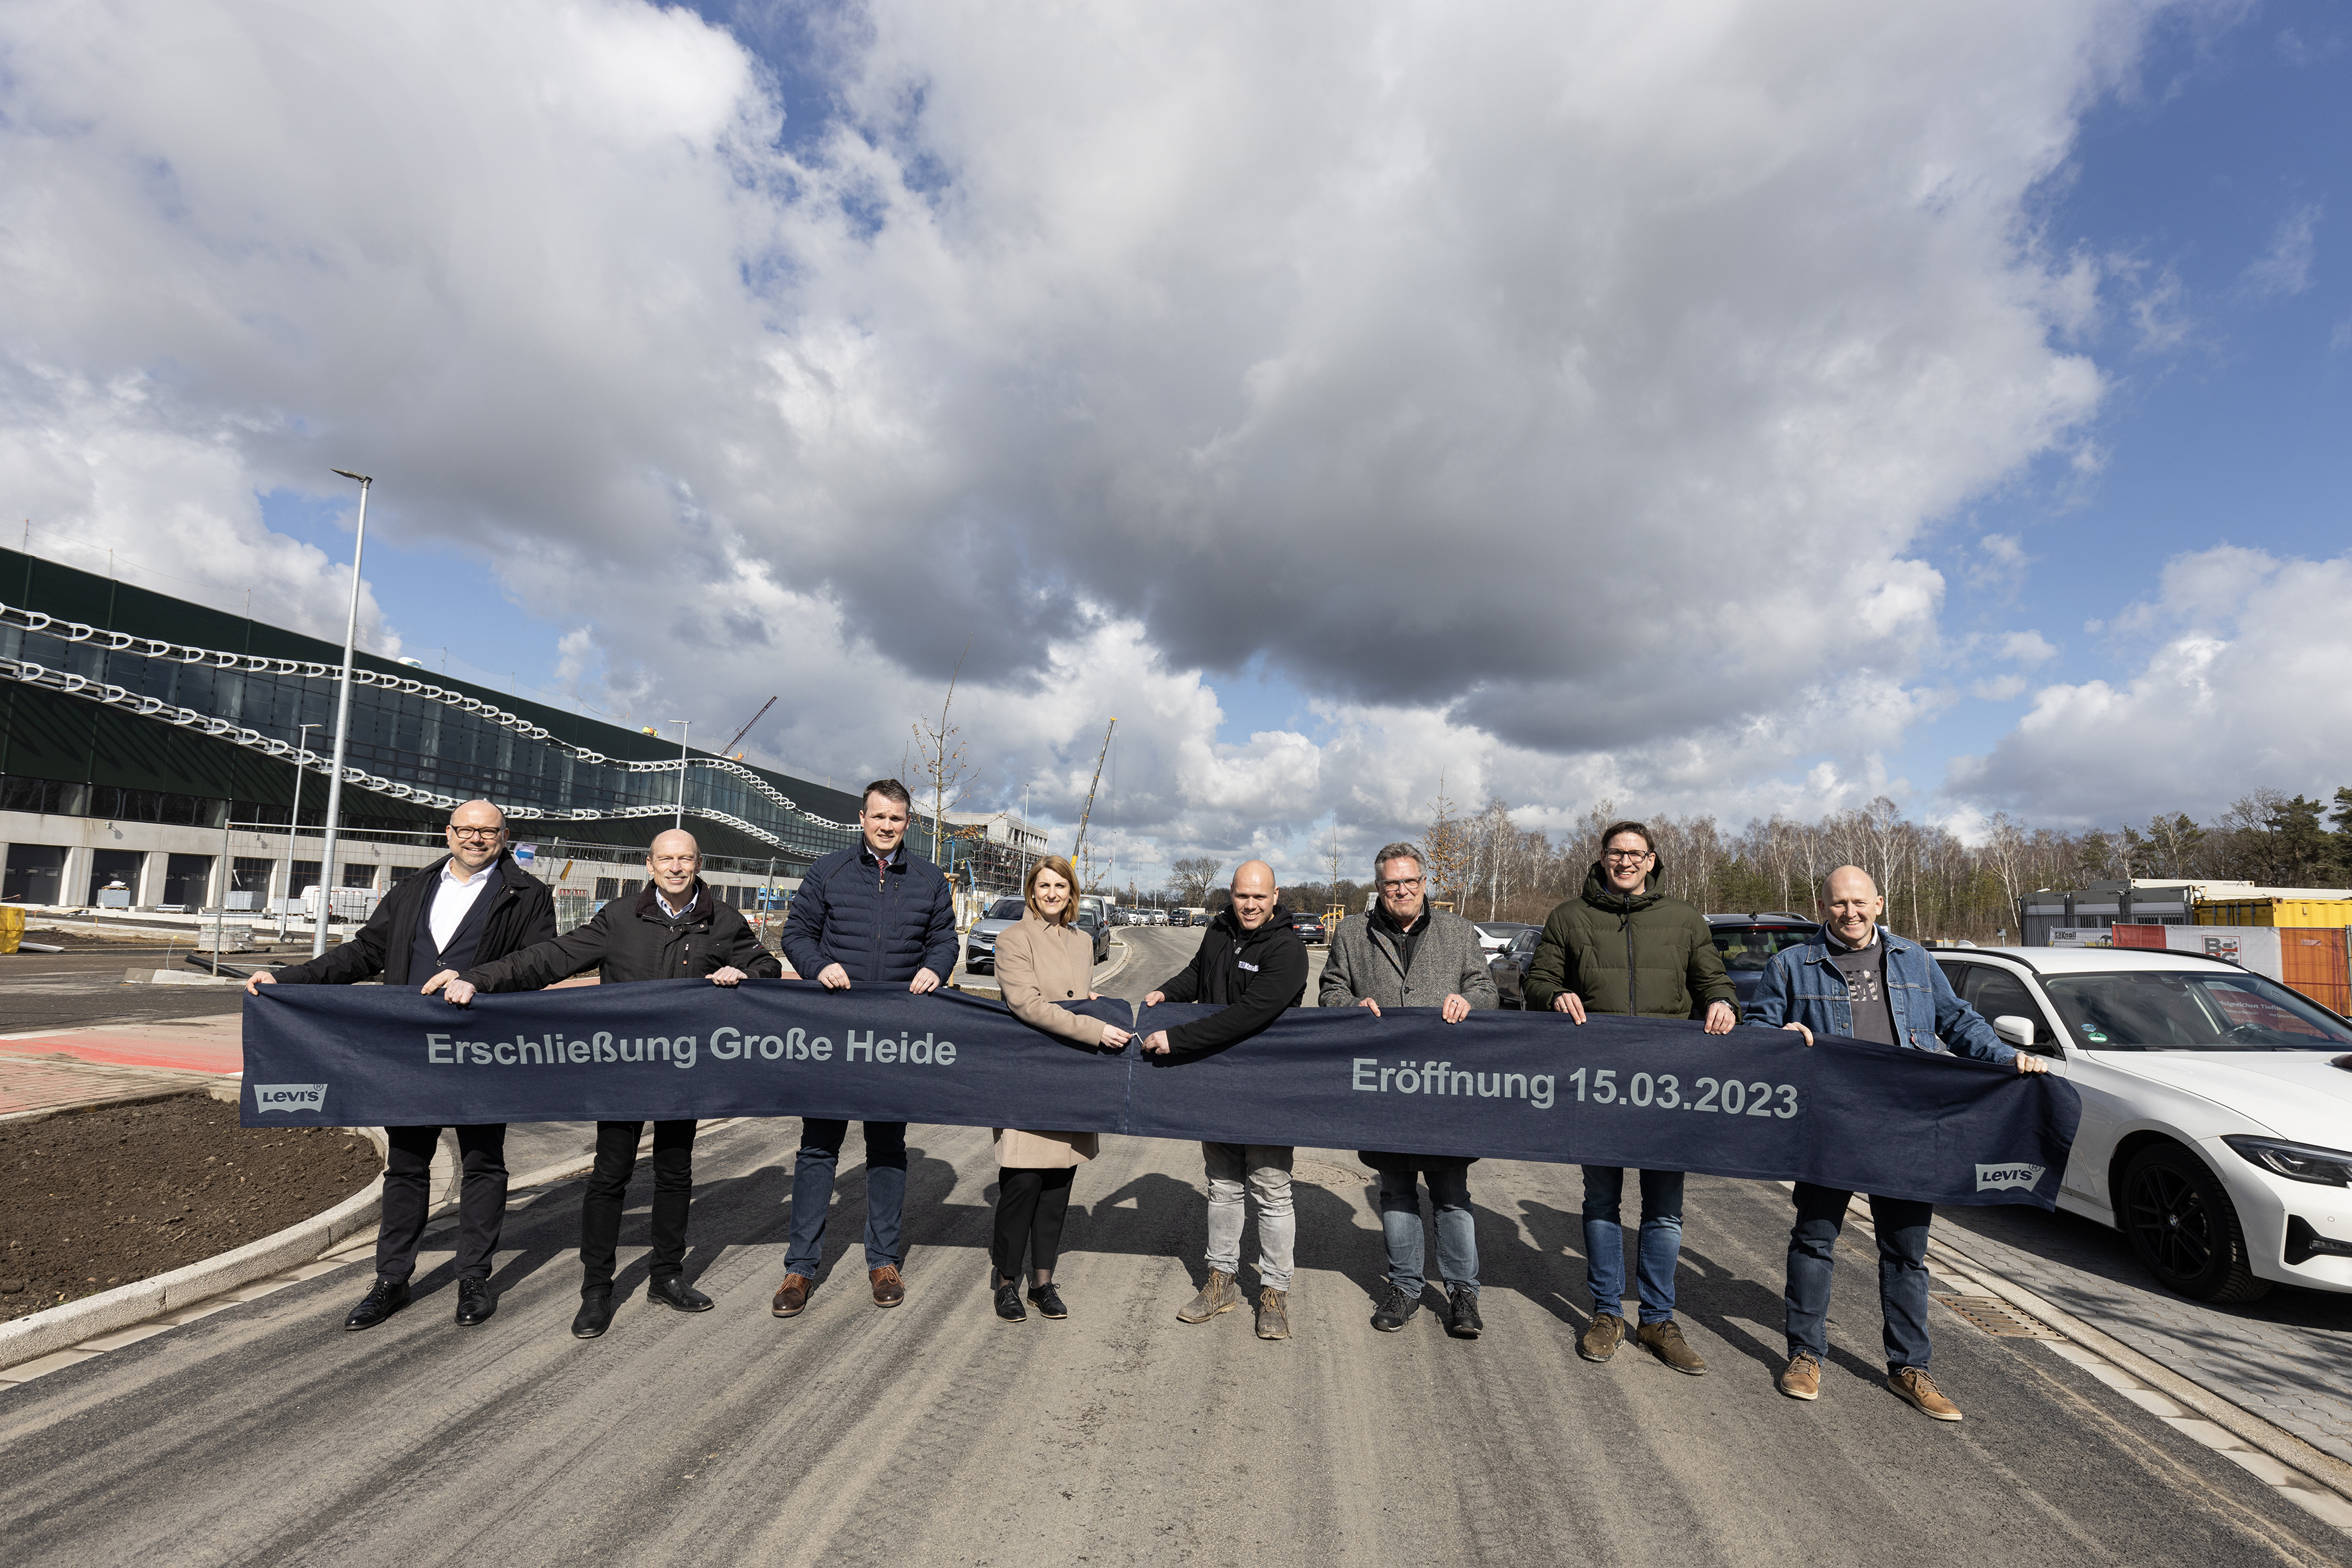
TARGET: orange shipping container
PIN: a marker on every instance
(2311, 960)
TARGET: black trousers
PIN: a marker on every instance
(481, 1198)
(608, 1186)
(1029, 1209)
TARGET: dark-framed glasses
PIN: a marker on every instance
(486, 835)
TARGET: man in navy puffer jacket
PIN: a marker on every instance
(879, 914)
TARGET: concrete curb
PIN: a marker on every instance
(70, 1322)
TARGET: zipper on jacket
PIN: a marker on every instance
(1632, 991)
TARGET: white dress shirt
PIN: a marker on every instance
(453, 899)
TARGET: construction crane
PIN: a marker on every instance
(729, 749)
(1080, 847)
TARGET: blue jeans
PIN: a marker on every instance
(1660, 1248)
(1902, 1227)
(885, 1192)
(1457, 1232)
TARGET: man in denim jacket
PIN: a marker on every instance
(1864, 982)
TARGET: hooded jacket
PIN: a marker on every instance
(522, 911)
(632, 939)
(1257, 975)
(1642, 953)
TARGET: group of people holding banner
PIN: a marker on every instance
(880, 915)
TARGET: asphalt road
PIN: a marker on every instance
(935, 1433)
(83, 987)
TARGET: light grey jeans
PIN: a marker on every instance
(1266, 1170)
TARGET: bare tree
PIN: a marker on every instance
(944, 764)
(1445, 846)
(1192, 877)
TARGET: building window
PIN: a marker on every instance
(305, 877)
(359, 876)
(187, 879)
(114, 877)
(248, 882)
(35, 873)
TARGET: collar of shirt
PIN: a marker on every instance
(866, 852)
(449, 877)
(674, 912)
(1837, 945)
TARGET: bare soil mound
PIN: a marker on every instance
(100, 1198)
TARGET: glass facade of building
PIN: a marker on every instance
(129, 752)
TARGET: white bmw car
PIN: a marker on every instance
(2217, 1108)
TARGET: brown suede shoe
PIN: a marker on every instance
(791, 1296)
(1803, 1377)
(1219, 1295)
(1913, 1386)
(1666, 1340)
(1273, 1314)
(1602, 1336)
(888, 1289)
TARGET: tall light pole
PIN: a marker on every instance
(294, 823)
(343, 729)
(683, 726)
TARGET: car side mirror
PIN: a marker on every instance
(2016, 1031)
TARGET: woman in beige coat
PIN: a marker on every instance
(1042, 962)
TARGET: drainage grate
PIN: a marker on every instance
(1325, 1174)
(1995, 1316)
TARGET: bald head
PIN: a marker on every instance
(1254, 894)
(1851, 905)
(674, 860)
(477, 836)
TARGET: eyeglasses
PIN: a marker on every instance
(1403, 885)
(485, 834)
(1628, 857)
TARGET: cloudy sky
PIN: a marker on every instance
(1703, 405)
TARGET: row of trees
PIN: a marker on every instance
(1488, 867)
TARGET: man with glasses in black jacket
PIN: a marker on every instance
(676, 928)
(473, 906)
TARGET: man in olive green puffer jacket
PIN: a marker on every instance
(1624, 947)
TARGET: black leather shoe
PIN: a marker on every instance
(595, 1314)
(1008, 1301)
(385, 1298)
(1047, 1300)
(672, 1290)
(475, 1302)
(1395, 1307)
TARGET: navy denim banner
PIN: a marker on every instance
(1660, 1095)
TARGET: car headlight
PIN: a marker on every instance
(2295, 1161)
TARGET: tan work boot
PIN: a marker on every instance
(1667, 1340)
(1802, 1379)
(1601, 1337)
(1913, 1386)
(1219, 1295)
(1273, 1314)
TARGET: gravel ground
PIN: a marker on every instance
(100, 1198)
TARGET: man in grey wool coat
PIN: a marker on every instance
(1402, 953)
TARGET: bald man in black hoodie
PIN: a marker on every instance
(1253, 963)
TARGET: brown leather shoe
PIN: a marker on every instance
(1665, 1340)
(1601, 1337)
(791, 1296)
(1913, 1386)
(1803, 1377)
(888, 1289)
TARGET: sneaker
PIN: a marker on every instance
(1397, 1306)
(1665, 1338)
(1008, 1301)
(1219, 1295)
(1273, 1314)
(1913, 1386)
(1601, 1337)
(1802, 1379)
(1462, 1320)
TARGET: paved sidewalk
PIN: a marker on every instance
(213, 1045)
(31, 1085)
(2288, 1357)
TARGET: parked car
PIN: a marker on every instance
(1748, 941)
(1510, 967)
(1091, 922)
(1159, 917)
(1494, 936)
(980, 942)
(1310, 926)
(2217, 1109)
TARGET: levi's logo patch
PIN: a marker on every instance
(289, 1097)
(1992, 1178)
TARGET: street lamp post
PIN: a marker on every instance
(342, 729)
(683, 726)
